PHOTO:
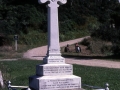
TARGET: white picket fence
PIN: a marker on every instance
(97, 88)
(12, 87)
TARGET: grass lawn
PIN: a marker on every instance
(19, 71)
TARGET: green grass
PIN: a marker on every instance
(18, 73)
(97, 76)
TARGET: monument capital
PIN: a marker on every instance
(53, 1)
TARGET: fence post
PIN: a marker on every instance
(1, 80)
(106, 86)
(28, 89)
(9, 85)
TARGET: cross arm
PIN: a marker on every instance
(42, 1)
(62, 1)
(59, 1)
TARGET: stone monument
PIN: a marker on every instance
(54, 73)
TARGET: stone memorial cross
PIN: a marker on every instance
(54, 73)
(53, 31)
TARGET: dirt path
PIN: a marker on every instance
(94, 62)
(40, 52)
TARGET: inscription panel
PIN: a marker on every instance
(54, 59)
(56, 84)
(58, 70)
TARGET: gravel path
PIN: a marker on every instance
(40, 52)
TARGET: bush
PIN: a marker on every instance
(98, 46)
(70, 35)
(86, 41)
(33, 38)
(107, 49)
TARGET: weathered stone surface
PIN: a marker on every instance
(54, 69)
(54, 60)
(65, 82)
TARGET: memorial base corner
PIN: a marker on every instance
(65, 82)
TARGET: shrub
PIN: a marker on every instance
(34, 38)
(107, 49)
(95, 46)
(86, 41)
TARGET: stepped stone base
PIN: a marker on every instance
(61, 82)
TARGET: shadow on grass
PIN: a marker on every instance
(112, 57)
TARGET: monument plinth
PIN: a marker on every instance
(54, 73)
